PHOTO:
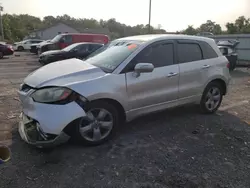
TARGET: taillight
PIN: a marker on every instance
(228, 65)
(10, 48)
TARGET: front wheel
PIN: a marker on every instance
(1, 55)
(211, 98)
(98, 126)
(20, 48)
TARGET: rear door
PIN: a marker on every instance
(156, 88)
(195, 60)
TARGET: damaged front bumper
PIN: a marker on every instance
(32, 134)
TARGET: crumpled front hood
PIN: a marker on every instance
(63, 73)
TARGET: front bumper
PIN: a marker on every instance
(14, 47)
(37, 138)
(46, 121)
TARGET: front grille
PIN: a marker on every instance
(31, 131)
(34, 132)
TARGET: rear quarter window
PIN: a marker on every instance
(208, 51)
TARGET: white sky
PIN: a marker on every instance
(171, 14)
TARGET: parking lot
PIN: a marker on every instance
(174, 148)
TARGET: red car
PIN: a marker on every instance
(63, 40)
(5, 49)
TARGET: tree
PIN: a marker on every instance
(231, 28)
(190, 30)
(210, 27)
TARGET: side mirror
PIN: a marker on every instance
(143, 68)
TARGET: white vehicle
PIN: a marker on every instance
(26, 44)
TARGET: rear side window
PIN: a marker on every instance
(208, 51)
(188, 52)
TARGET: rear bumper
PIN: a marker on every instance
(40, 141)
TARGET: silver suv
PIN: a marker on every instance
(88, 100)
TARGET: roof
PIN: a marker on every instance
(47, 27)
(165, 36)
(83, 34)
(88, 43)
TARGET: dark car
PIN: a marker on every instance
(5, 50)
(63, 40)
(227, 48)
(34, 47)
(77, 50)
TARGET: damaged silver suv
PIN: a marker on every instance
(88, 100)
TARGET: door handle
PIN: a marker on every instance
(171, 74)
(205, 66)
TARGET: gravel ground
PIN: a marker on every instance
(174, 148)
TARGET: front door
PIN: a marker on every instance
(158, 87)
(65, 41)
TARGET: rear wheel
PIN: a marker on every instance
(20, 48)
(211, 98)
(98, 126)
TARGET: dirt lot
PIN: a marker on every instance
(175, 148)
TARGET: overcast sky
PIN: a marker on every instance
(173, 15)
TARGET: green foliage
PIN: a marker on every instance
(241, 25)
(16, 27)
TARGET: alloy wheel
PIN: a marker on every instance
(97, 124)
(213, 98)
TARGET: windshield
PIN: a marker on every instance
(111, 56)
(56, 38)
(98, 51)
(70, 47)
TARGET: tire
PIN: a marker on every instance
(1, 55)
(20, 48)
(212, 87)
(82, 138)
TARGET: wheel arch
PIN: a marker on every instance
(116, 104)
(222, 82)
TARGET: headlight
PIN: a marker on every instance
(51, 94)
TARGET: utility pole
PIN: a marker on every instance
(1, 21)
(149, 17)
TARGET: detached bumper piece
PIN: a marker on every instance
(31, 133)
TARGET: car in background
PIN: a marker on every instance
(26, 44)
(77, 50)
(34, 47)
(63, 40)
(5, 49)
(228, 49)
(89, 100)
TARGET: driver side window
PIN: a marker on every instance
(159, 54)
(67, 39)
(27, 42)
(83, 48)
